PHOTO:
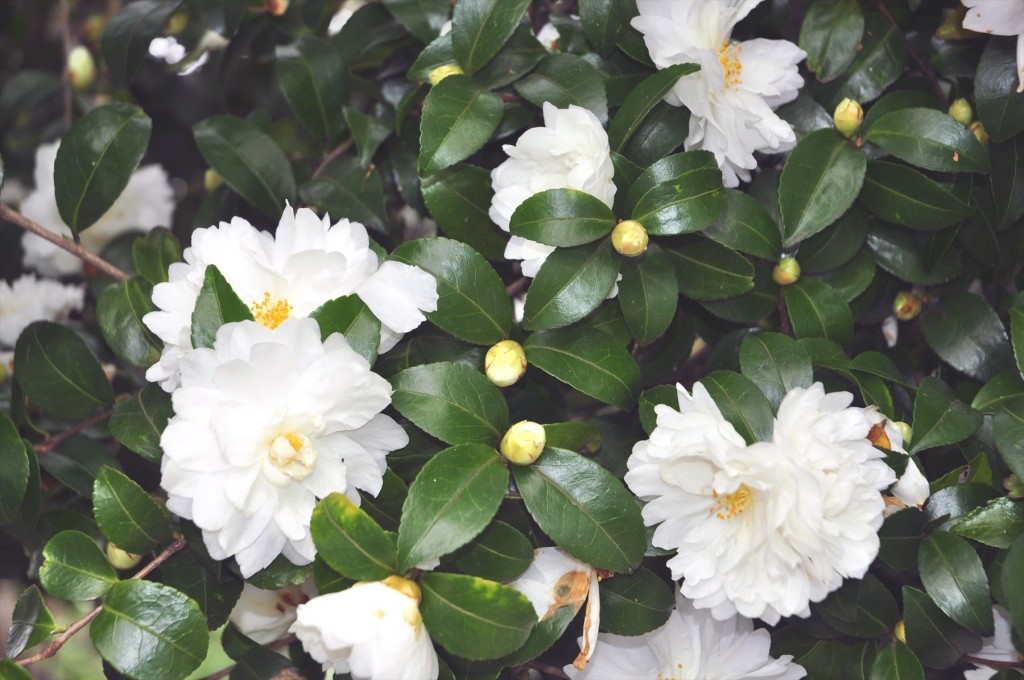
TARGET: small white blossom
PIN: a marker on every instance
(146, 202)
(265, 616)
(733, 96)
(999, 17)
(997, 648)
(30, 299)
(569, 152)
(344, 13)
(912, 489)
(692, 645)
(167, 49)
(265, 423)
(372, 631)
(306, 263)
(762, 530)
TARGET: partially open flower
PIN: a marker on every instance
(505, 363)
(443, 71)
(629, 238)
(523, 443)
(266, 615)
(847, 117)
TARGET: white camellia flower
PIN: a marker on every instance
(998, 648)
(307, 263)
(265, 616)
(554, 580)
(999, 17)
(733, 96)
(912, 488)
(146, 202)
(30, 299)
(765, 529)
(690, 646)
(569, 152)
(266, 422)
(373, 631)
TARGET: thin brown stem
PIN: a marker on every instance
(329, 158)
(50, 443)
(81, 623)
(996, 665)
(926, 70)
(517, 286)
(546, 669)
(77, 249)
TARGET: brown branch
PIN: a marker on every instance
(329, 158)
(225, 672)
(922, 65)
(517, 286)
(81, 623)
(50, 443)
(77, 249)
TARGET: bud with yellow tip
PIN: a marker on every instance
(81, 68)
(629, 238)
(121, 559)
(212, 179)
(847, 117)
(443, 71)
(979, 132)
(505, 363)
(961, 111)
(523, 443)
(787, 271)
(906, 432)
(906, 305)
(277, 7)
(900, 631)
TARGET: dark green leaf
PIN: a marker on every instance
(1008, 179)
(861, 608)
(593, 363)
(481, 27)
(954, 578)
(562, 217)
(776, 363)
(216, 305)
(438, 53)
(458, 118)
(215, 593)
(57, 371)
(312, 77)
(648, 294)
(900, 536)
(119, 313)
(940, 418)
(31, 622)
(1000, 106)
(878, 64)
(748, 228)
(499, 553)
(576, 436)
(475, 618)
(817, 311)
(127, 35)
(634, 604)
(149, 630)
(368, 131)
(1017, 335)
(896, 662)
(260, 663)
(249, 160)
(900, 254)
(741, 403)
(423, 18)
(458, 199)
(96, 159)
(687, 203)
(127, 515)
(350, 316)
(854, 277)
(933, 636)
(929, 139)
(805, 115)
(154, 253)
(968, 335)
(604, 20)
(663, 130)
(74, 567)
(9, 670)
(998, 523)
(707, 270)
(661, 394)
(822, 177)
(345, 189)
(641, 100)
(563, 80)
(571, 283)
(139, 421)
(836, 245)
(14, 461)
(350, 541)
(386, 507)
(1013, 585)
(830, 34)
(584, 509)
(900, 194)
(1008, 429)
(77, 462)
(452, 402)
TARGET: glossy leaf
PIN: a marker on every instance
(648, 294)
(571, 283)
(350, 316)
(345, 188)
(216, 305)
(938, 641)
(139, 421)
(348, 540)
(1000, 106)
(562, 217)
(458, 118)
(481, 27)
(954, 578)
(604, 21)
(127, 35)
(458, 199)
(452, 402)
(896, 662)
(900, 194)
(642, 99)
(968, 335)
(877, 65)
(748, 228)
(96, 159)
(584, 509)
(998, 523)
(452, 499)
(634, 604)
(830, 34)
(14, 461)
(215, 590)
(154, 253)
(1007, 170)
(776, 363)
(741, 403)
(929, 139)
(127, 515)
(1013, 563)
(707, 270)
(861, 608)
(368, 131)
(900, 254)
(940, 418)
(817, 311)
(119, 312)
(500, 553)
(31, 622)
(564, 80)
(74, 568)
(1017, 335)
(688, 203)
(312, 77)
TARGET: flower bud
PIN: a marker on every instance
(847, 117)
(92, 27)
(961, 111)
(952, 26)
(629, 238)
(523, 442)
(404, 586)
(906, 432)
(121, 559)
(442, 72)
(505, 363)
(978, 130)
(906, 305)
(212, 179)
(177, 23)
(787, 271)
(900, 631)
(277, 7)
(81, 68)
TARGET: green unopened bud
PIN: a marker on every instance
(92, 27)
(847, 117)
(81, 68)
(900, 631)
(629, 238)
(177, 23)
(1014, 486)
(442, 72)
(952, 26)
(212, 179)
(523, 442)
(906, 305)
(906, 432)
(121, 559)
(979, 132)
(961, 111)
(505, 363)
(787, 271)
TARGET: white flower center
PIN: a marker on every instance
(728, 506)
(270, 311)
(291, 456)
(729, 58)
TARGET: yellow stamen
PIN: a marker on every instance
(728, 506)
(294, 441)
(729, 58)
(270, 312)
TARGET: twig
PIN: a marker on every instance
(925, 68)
(225, 672)
(329, 158)
(64, 17)
(50, 443)
(81, 623)
(995, 665)
(78, 250)
(517, 286)
(547, 669)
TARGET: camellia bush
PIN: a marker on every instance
(476, 339)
